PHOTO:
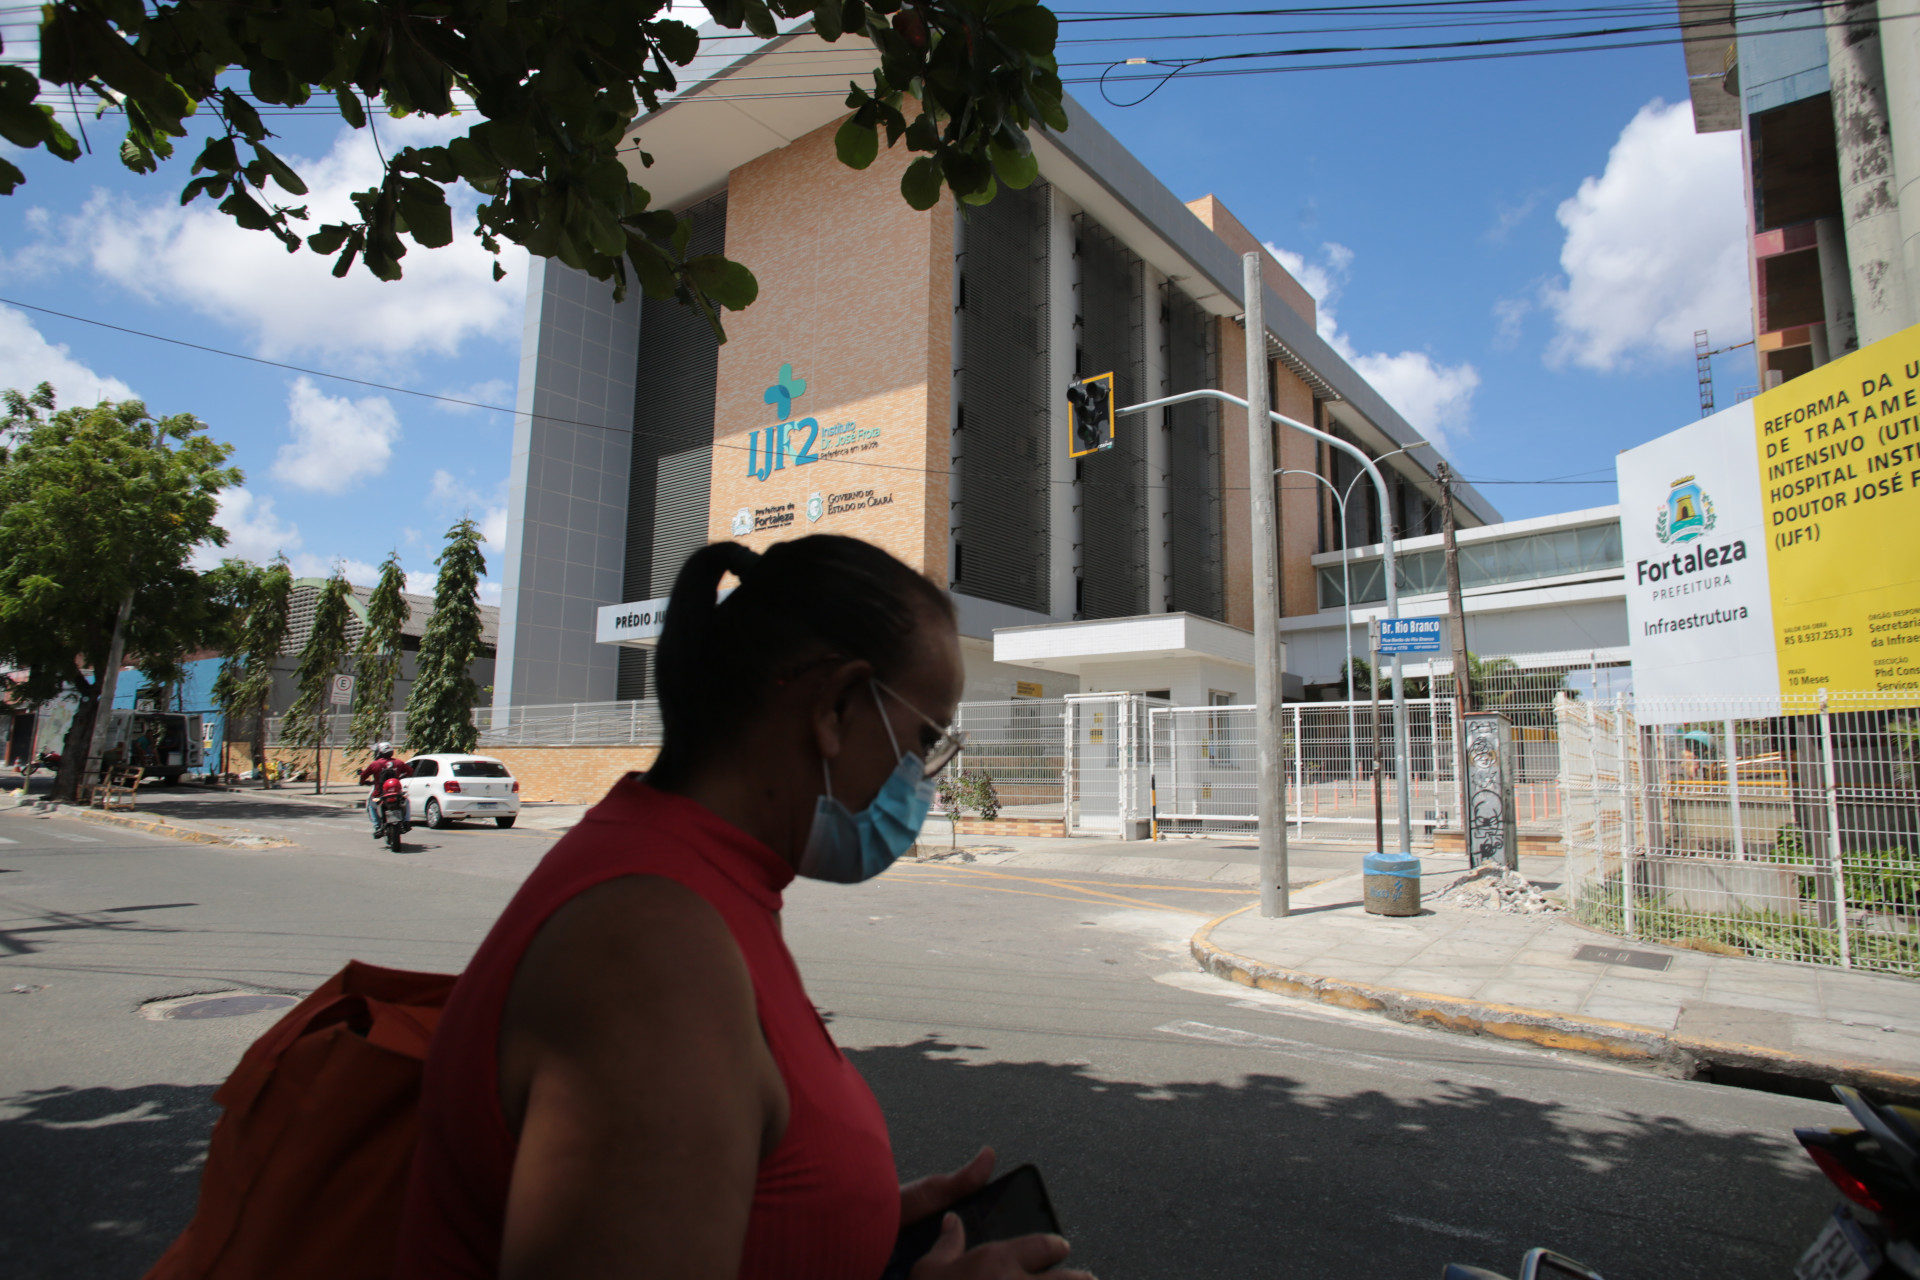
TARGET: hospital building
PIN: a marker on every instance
(902, 379)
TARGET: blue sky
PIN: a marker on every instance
(1516, 253)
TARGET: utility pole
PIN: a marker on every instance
(1268, 731)
(1457, 629)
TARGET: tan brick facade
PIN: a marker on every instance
(570, 775)
(855, 295)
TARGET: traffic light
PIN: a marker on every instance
(1091, 401)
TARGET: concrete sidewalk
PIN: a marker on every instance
(1546, 980)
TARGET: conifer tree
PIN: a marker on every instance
(307, 719)
(440, 708)
(243, 690)
(378, 657)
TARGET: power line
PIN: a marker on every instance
(556, 420)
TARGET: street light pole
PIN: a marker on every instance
(1346, 612)
(1270, 737)
(1393, 578)
(1346, 583)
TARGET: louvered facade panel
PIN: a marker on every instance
(1113, 483)
(674, 391)
(679, 512)
(1196, 556)
(1005, 400)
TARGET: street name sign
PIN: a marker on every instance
(1406, 635)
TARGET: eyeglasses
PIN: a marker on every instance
(942, 752)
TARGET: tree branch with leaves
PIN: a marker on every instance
(440, 706)
(378, 656)
(305, 724)
(554, 86)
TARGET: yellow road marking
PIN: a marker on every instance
(1089, 891)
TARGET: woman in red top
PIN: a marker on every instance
(630, 1079)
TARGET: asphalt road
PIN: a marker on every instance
(1186, 1127)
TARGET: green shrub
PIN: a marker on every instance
(964, 789)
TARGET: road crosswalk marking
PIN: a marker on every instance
(4, 840)
(76, 839)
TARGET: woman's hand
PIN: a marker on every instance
(941, 1191)
(950, 1259)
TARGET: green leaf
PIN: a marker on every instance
(283, 174)
(728, 283)
(981, 195)
(10, 177)
(1030, 28)
(826, 21)
(1016, 169)
(920, 184)
(328, 239)
(429, 219)
(857, 144)
(246, 211)
(350, 109)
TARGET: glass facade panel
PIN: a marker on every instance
(1527, 558)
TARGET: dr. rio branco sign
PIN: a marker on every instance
(1774, 548)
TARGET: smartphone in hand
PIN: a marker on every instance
(1010, 1206)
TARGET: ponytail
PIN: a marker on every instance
(822, 594)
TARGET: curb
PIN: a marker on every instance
(154, 826)
(1690, 1057)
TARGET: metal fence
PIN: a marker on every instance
(567, 724)
(1770, 826)
(1101, 761)
(635, 722)
(1204, 763)
(1022, 746)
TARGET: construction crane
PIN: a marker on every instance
(1703, 366)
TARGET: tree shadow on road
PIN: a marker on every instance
(1154, 1182)
(1265, 1178)
(97, 1182)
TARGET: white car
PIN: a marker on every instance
(447, 788)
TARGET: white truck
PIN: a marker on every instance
(165, 743)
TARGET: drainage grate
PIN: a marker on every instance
(1620, 955)
(228, 1006)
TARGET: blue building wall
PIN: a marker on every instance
(195, 694)
(1783, 58)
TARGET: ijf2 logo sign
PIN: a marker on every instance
(1686, 515)
(767, 448)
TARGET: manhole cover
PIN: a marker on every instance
(228, 1006)
(1620, 955)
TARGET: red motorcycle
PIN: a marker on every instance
(393, 812)
(48, 760)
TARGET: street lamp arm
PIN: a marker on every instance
(1358, 454)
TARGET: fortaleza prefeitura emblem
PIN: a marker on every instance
(816, 507)
(1686, 514)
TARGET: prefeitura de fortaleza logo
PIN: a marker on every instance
(1686, 514)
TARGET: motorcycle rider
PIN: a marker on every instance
(377, 771)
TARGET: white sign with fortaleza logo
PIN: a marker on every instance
(1694, 541)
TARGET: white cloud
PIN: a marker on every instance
(1431, 396)
(1654, 249)
(456, 496)
(27, 359)
(494, 393)
(290, 303)
(359, 572)
(336, 441)
(254, 531)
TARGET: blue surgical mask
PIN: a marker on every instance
(847, 847)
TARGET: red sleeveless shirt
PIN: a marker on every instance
(827, 1201)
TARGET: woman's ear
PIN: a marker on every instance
(833, 702)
